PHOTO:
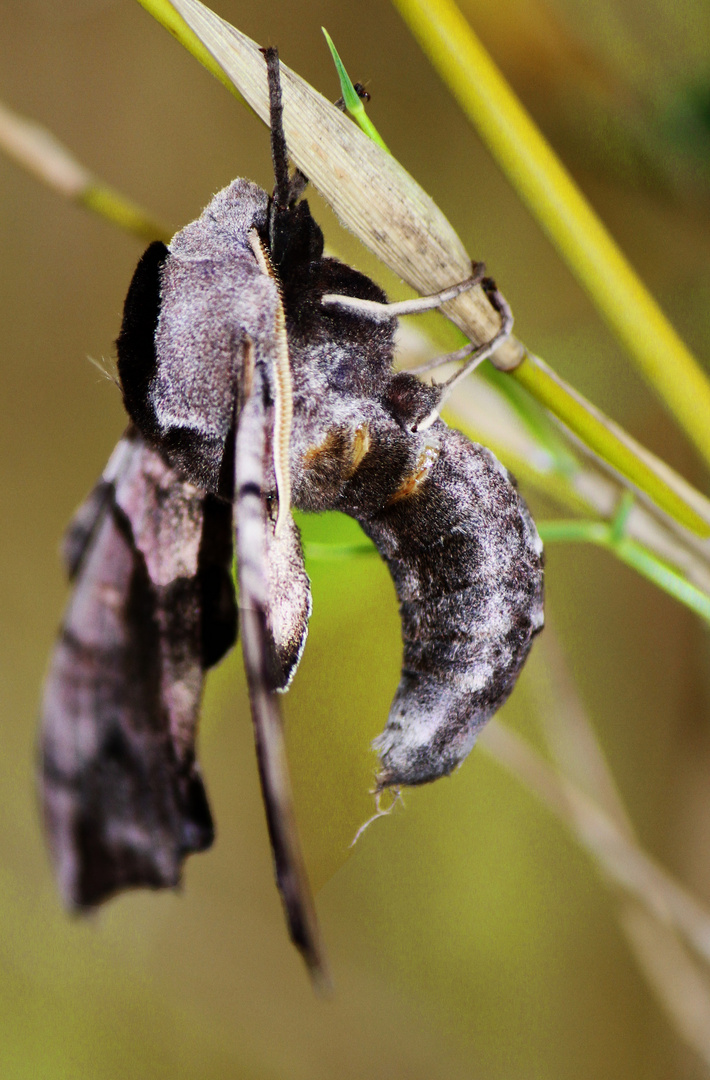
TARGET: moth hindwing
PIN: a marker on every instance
(152, 607)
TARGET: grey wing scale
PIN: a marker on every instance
(123, 799)
(264, 667)
(83, 525)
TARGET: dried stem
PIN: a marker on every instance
(42, 154)
(654, 911)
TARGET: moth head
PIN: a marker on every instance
(295, 238)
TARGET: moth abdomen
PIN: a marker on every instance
(431, 728)
(467, 566)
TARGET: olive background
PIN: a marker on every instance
(468, 935)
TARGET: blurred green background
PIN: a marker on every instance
(468, 935)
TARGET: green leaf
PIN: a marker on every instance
(353, 101)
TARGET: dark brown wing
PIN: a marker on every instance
(257, 553)
(153, 606)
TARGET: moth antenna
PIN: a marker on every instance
(279, 151)
(283, 390)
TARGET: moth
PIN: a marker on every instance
(257, 375)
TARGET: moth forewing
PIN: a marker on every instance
(255, 531)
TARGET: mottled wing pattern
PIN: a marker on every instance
(153, 605)
(256, 550)
(188, 312)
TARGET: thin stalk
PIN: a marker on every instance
(611, 443)
(324, 552)
(679, 980)
(42, 154)
(578, 487)
(603, 534)
(164, 13)
(116, 208)
(618, 856)
(598, 432)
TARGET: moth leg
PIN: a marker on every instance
(439, 361)
(476, 356)
(380, 312)
(262, 668)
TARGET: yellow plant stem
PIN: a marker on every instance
(552, 196)
(36, 149)
(164, 13)
(116, 208)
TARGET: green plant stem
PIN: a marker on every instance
(678, 499)
(603, 534)
(598, 432)
(324, 552)
(609, 535)
(554, 199)
(612, 444)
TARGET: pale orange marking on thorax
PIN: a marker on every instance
(410, 484)
(361, 445)
(333, 446)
